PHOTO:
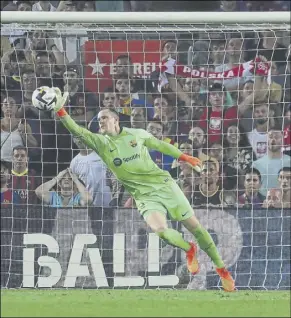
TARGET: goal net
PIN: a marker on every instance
(215, 85)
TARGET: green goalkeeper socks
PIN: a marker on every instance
(207, 245)
(174, 238)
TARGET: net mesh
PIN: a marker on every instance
(234, 110)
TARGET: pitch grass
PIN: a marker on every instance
(143, 303)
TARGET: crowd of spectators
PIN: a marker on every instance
(238, 127)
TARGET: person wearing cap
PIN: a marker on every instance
(214, 119)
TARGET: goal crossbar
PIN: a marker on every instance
(145, 17)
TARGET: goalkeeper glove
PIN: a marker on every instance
(61, 99)
(194, 162)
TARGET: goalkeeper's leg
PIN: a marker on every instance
(207, 244)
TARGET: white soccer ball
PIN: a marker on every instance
(44, 98)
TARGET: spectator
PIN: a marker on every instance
(166, 113)
(43, 6)
(270, 164)
(14, 131)
(68, 6)
(72, 192)
(89, 168)
(198, 138)
(86, 6)
(228, 175)
(287, 130)
(218, 50)
(233, 6)
(251, 198)
(214, 119)
(24, 180)
(155, 127)
(13, 63)
(8, 196)
(273, 199)
(81, 104)
(138, 118)
(45, 71)
(188, 180)
(125, 67)
(270, 47)
(238, 153)
(263, 121)
(48, 46)
(284, 180)
(110, 100)
(235, 56)
(209, 192)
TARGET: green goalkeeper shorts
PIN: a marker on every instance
(168, 200)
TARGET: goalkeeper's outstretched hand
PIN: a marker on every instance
(61, 99)
(194, 162)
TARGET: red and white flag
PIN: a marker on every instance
(253, 67)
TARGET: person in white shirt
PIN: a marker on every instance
(43, 6)
(263, 121)
(89, 167)
(270, 164)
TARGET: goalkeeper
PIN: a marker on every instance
(125, 152)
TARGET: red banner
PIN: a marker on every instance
(100, 60)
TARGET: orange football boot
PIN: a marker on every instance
(226, 279)
(192, 261)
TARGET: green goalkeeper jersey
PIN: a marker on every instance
(127, 156)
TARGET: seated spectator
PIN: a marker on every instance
(233, 6)
(71, 192)
(214, 119)
(284, 180)
(14, 131)
(209, 192)
(287, 130)
(238, 153)
(234, 56)
(110, 100)
(89, 168)
(43, 6)
(251, 198)
(263, 122)
(271, 163)
(45, 71)
(155, 127)
(8, 196)
(81, 104)
(273, 199)
(24, 180)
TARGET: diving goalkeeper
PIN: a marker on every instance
(125, 152)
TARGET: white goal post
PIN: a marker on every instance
(106, 246)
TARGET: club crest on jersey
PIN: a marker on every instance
(133, 143)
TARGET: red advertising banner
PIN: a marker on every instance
(100, 60)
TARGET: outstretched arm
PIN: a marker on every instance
(94, 141)
(170, 150)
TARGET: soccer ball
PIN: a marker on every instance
(44, 98)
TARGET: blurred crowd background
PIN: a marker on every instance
(239, 127)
